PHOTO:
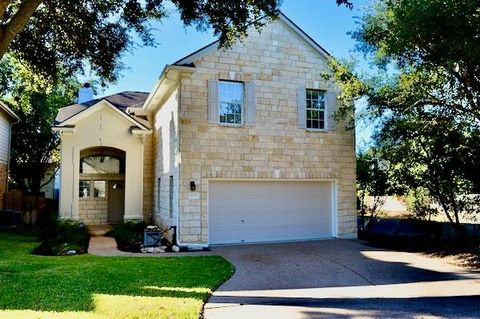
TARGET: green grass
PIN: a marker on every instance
(92, 287)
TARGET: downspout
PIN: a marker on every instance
(177, 228)
(190, 246)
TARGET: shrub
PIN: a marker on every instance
(57, 237)
(129, 236)
(420, 204)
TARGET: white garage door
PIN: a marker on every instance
(253, 211)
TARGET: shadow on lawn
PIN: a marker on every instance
(468, 257)
(74, 283)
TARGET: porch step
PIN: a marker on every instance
(99, 230)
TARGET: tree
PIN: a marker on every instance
(72, 35)
(347, 3)
(372, 181)
(433, 42)
(431, 152)
(36, 102)
(424, 88)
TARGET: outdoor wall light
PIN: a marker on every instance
(193, 187)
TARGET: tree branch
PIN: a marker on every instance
(3, 7)
(9, 30)
(51, 177)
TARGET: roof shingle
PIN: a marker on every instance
(122, 101)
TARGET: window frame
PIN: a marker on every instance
(324, 110)
(159, 195)
(89, 195)
(242, 104)
(170, 196)
(121, 164)
(104, 191)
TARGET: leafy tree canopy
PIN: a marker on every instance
(434, 47)
(36, 101)
(51, 34)
(424, 87)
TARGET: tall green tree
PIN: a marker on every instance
(372, 181)
(437, 154)
(34, 147)
(71, 35)
(424, 88)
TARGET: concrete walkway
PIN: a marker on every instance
(106, 246)
(341, 279)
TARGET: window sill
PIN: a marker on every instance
(231, 125)
(313, 130)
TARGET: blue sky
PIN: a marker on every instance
(323, 20)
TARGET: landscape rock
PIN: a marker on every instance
(152, 250)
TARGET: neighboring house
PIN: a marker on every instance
(7, 119)
(48, 182)
(230, 146)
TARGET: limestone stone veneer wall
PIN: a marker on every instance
(148, 177)
(93, 211)
(278, 62)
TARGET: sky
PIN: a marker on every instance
(323, 20)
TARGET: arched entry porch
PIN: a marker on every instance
(101, 185)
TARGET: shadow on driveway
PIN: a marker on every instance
(341, 279)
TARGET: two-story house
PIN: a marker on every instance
(230, 146)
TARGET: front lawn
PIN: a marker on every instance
(92, 287)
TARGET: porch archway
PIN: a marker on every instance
(102, 185)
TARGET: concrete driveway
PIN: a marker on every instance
(341, 279)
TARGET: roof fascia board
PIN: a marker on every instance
(170, 77)
(304, 36)
(9, 112)
(199, 53)
(282, 17)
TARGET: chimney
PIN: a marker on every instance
(85, 94)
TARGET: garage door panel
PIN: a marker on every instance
(252, 211)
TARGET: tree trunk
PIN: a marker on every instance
(16, 23)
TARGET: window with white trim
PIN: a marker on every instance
(159, 194)
(315, 109)
(170, 197)
(230, 102)
(84, 189)
(99, 189)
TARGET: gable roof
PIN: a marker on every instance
(188, 60)
(121, 101)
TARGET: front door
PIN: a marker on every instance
(116, 201)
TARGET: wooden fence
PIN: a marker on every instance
(33, 208)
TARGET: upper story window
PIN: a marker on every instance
(102, 160)
(315, 109)
(100, 165)
(230, 102)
